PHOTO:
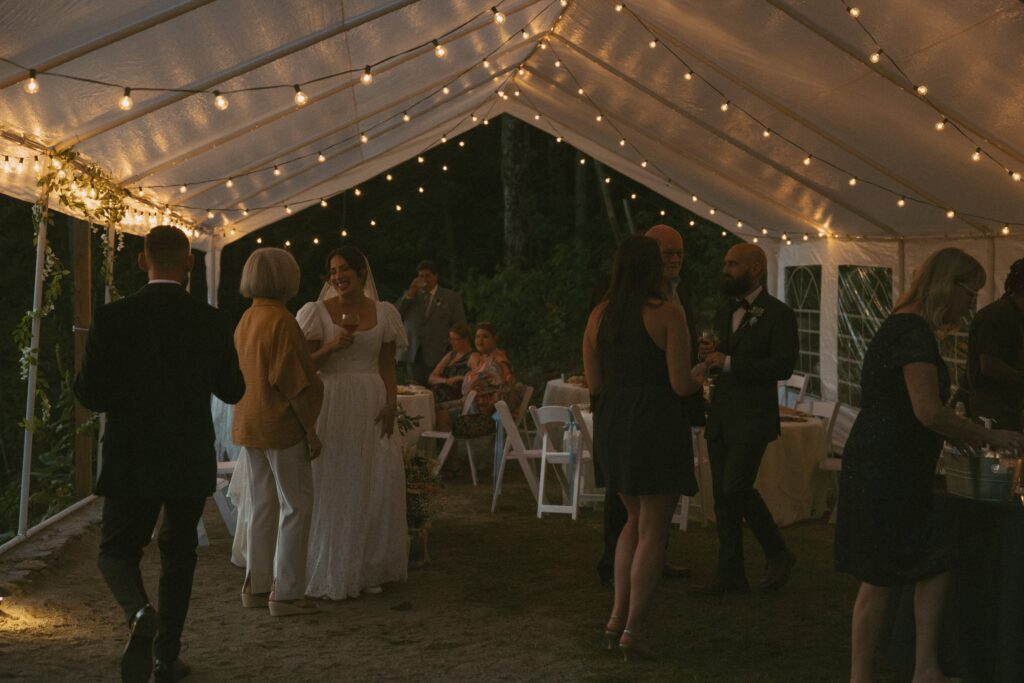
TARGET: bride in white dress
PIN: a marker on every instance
(359, 536)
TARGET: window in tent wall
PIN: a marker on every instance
(865, 300)
(803, 295)
(953, 347)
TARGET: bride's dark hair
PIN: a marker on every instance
(355, 259)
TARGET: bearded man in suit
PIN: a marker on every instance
(759, 347)
(151, 363)
(429, 312)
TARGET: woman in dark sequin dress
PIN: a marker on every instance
(890, 529)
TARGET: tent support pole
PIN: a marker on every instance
(901, 265)
(33, 373)
(992, 294)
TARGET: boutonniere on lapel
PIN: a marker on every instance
(755, 313)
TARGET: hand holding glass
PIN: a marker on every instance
(350, 322)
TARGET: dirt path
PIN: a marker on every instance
(508, 597)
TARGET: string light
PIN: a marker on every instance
(976, 155)
(300, 97)
(209, 214)
(632, 196)
(599, 118)
(7, 164)
(440, 50)
(875, 57)
(447, 90)
(421, 189)
(1005, 230)
(183, 189)
(766, 133)
(754, 240)
(693, 198)
(219, 101)
(462, 143)
(922, 90)
(316, 240)
(320, 157)
(323, 202)
(807, 160)
(583, 162)
(852, 181)
(643, 164)
(854, 11)
(230, 182)
(245, 212)
(654, 43)
(125, 103)
(344, 233)
(525, 34)
(558, 63)
(444, 139)
(951, 214)
(444, 169)
(364, 138)
(521, 71)
(287, 209)
(487, 64)
(607, 180)
(389, 177)
(901, 202)
(499, 18)
(940, 125)
(619, 6)
(725, 106)
(405, 117)
(580, 92)
(711, 211)
(420, 159)
(287, 243)
(357, 192)
(398, 207)
(277, 170)
(31, 86)
(367, 77)
(662, 212)
(259, 240)
(764, 231)
(373, 223)
(36, 166)
(1015, 175)
(558, 139)
(688, 76)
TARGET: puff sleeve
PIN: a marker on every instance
(393, 329)
(310, 322)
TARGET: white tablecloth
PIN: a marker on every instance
(559, 393)
(419, 403)
(789, 480)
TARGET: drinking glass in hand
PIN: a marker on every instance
(350, 322)
(708, 342)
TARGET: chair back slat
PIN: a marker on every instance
(511, 431)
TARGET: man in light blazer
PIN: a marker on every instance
(429, 312)
(151, 363)
(759, 347)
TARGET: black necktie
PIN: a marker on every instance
(737, 304)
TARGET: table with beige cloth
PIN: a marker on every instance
(789, 480)
(415, 401)
(561, 393)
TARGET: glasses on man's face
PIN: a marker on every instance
(672, 253)
(972, 292)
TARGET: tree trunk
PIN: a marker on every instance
(513, 175)
(609, 207)
(580, 195)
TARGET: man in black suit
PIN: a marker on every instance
(759, 347)
(429, 312)
(151, 363)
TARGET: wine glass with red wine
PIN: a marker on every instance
(350, 322)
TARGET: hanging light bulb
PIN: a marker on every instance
(405, 117)
(363, 138)
(245, 212)
(344, 233)
(398, 207)
(421, 189)
(711, 211)
(940, 125)
(367, 77)
(558, 63)
(599, 118)
(444, 139)
(357, 192)
(558, 139)
(7, 164)
(420, 159)
(300, 97)
(287, 243)
(389, 177)
(922, 90)
(1005, 230)
(474, 118)
(807, 160)
(724, 106)
(688, 76)
(901, 202)
(976, 155)
(583, 162)
(875, 57)
(607, 180)
(522, 70)
(287, 209)
(209, 213)
(20, 168)
(619, 7)
(693, 198)
(320, 157)
(632, 195)
(525, 34)
(754, 240)
(1015, 175)
(259, 240)
(125, 103)
(219, 101)
(643, 164)
(36, 166)
(536, 117)
(31, 86)
(950, 214)
(373, 223)
(487, 64)
(316, 240)
(447, 90)
(852, 181)
(653, 44)
(662, 212)
(277, 170)
(854, 11)
(323, 202)
(439, 50)
(499, 18)
(230, 182)
(764, 231)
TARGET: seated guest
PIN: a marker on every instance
(493, 378)
(275, 424)
(450, 371)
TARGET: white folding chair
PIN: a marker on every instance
(549, 420)
(526, 393)
(827, 412)
(448, 440)
(225, 470)
(514, 450)
(588, 492)
(792, 387)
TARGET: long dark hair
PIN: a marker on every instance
(355, 259)
(636, 279)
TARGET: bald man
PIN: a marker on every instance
(758, 346)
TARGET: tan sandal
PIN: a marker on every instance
(291, 608)
(250, 599)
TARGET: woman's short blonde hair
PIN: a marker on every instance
(935, 280)
(270, 273)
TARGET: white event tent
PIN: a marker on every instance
(836, 133)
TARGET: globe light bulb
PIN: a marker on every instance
(323, 202)
(367, 77)
(976, 154)
(901, 202)
(499, 18)
(300, 97)
(320, 157)
(31, 86)
(219, 101)
(940, 125)
(875, 57)
(440, 50)
(183, 188)
(125, 103)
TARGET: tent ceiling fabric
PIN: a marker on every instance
(798, 66)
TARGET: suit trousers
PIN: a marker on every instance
(419, 373)
(126, 529)
(733, 472)
(281, 490)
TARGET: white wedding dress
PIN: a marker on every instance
(359, 536)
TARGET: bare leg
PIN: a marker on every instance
(929, 598)
(868, 613)
(625, 550)
(649, 559)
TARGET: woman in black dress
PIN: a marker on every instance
(889, 530)
(636, 354)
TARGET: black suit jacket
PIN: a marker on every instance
(151, 363)
(763, 350)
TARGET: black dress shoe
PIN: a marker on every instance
(168, 672)
(137, 659)
(675, 571)
(719, 587)
(776, 572)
